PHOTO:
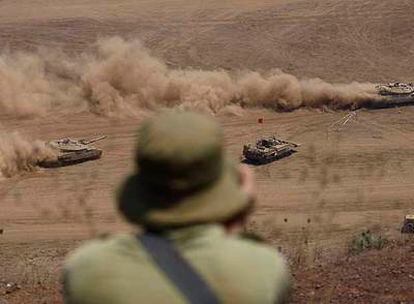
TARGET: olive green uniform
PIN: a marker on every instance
(118, 270)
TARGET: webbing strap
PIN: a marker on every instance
(178, 270)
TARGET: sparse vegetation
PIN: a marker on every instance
(365, 241)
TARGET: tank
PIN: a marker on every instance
(268, 149)
(72, 151)
(408, 225)
(396, 89)
(393, 94)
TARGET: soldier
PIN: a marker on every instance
(191, 202)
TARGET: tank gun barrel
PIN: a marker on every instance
(87, 141)
(294, 144)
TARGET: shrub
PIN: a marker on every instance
(366, 241)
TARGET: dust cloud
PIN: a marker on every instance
(18, 154)
(119, 77)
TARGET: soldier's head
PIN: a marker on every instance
(183, 176)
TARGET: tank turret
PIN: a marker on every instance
(268, 149)
(395, 89)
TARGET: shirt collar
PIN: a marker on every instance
(205, 232)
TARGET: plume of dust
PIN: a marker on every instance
(119, 77)
(36, 83)
(18, 154)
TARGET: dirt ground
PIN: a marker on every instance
(310, 204)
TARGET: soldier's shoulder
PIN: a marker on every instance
(102, 248)
(255, 251)
(271, 267)
(254, 261)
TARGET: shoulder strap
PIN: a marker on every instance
(178, 270)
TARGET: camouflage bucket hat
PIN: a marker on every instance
(182, 176)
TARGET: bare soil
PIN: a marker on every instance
(309, 204)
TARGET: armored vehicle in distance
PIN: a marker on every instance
(396, 89)
(267, 150)
(72, 151)
(408, 225)
(393, 94)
